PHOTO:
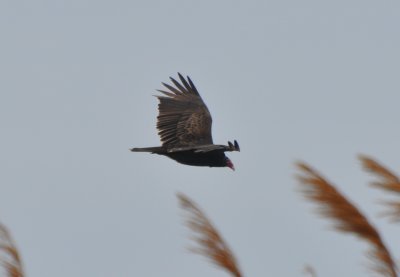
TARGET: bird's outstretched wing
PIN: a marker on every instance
(183, 119)
(207, 148)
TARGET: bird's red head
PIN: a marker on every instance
(230, 164)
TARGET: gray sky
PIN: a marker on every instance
(290, 80)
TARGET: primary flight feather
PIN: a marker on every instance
(184, 126)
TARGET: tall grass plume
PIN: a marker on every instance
(387, 181)
(209, 243)
(310, 271)
(10, 258)
(347, 218)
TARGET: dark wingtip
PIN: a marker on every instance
(183, 80)
(179, 75)
(234, 146)
(237, 147)
(186, 87)
(180, 88)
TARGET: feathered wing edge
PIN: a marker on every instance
(387, 181)
(156, 149)
(11, 261)
(176, 107)
(209, 242)
(347, 217)
(207, 148)
(187, 88)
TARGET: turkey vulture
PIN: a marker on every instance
(184, 126)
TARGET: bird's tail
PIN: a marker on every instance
(156, 150)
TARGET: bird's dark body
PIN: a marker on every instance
(215, 158)
(184, 126)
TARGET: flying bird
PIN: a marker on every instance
(184, 126)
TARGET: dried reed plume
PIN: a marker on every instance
(210, 244)
(11, 259)
(387, 181)
(309, 270)
(347, 217)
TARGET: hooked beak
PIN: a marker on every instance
(230, 164)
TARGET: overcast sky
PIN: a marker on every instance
(290, 80)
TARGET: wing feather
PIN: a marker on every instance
(185, 83)
(193, 87)
(183, 119)
(179, 86)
